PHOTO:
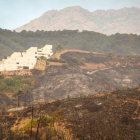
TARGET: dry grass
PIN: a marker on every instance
(55, 64)
(61, 129)
(41, 65)
(91, 66)
(21, 124)
(9, 95)
(17, 72)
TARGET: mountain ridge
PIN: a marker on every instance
(125, 20)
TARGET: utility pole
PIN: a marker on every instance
(32, 111)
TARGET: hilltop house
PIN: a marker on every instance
(25, 60)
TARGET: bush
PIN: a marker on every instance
(9, 82)
(28, 125)
(36, 72)
(1, 77)
(46, 119)
(62, 60)
(43, 58)
(16, 83)
(65, 66)
(57, 60)
(78, 59)
(3, 86)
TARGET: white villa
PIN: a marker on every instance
(25, 60)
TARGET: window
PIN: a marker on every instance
(17, 62)
(25, 67)
(35, 52)
(35, 56)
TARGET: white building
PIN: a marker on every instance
(25, 60)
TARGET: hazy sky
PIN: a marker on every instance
(15, 13)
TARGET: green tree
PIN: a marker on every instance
(59, 47)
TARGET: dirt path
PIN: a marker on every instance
(103, 69)
(57, 55)
(54, 64)
(16, 109)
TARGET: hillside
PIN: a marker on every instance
(86, 73)
(88, 41)
(78, 95)
(125, 20)
(73, 73)
(114, 115)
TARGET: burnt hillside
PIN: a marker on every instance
(80, 73)
(114, 115)
(87, 73)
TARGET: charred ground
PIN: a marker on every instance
(87, 73)
(73, 73)
(114, 115)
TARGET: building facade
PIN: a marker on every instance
(25, 60)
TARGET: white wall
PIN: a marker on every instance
(29, 58)
(46, 51)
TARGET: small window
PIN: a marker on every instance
(17, 62)
(35, 52)
(25, 67)
(35, 56)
